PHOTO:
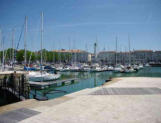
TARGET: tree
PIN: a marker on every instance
(48, 56)
(20, 56)
(33, 57)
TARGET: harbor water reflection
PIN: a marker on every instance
(91, 80)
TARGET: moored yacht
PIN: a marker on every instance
(38, 76)
(60, 68)
(129, 69)
(110, 68)
(66, 68)
(41, 75)
(147, 65)
(74, 68)
(85, 68)
(141, 66)
(119, 69)
(136, 67)
(96, 68)
(105, 68)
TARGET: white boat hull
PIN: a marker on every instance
(38, 77)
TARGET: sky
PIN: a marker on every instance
(77, 24)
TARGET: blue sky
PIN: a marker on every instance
(77, 23)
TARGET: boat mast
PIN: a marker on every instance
(25, 35)
(1, 46)
(3, 64)
(129, 51)
(53, 54)
(116, 52)
(75, 55)
(86, 49)
(60, 53)
(70, 50)
(69, 53)
(13, 48)
(41, 38)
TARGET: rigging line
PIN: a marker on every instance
(22, 29)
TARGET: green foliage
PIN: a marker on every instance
(48, 56)
(33, 57)
(20, 56)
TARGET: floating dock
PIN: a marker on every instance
(42, 85)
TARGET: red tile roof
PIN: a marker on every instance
(69, 51)
(143, 50)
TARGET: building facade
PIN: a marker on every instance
(77, 55)
(133, 57)
(156, 57)
(107, 57)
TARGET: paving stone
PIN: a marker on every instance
(127, 91)
(17, 115)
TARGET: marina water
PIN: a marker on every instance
(91, 80)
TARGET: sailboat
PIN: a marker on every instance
(2, 46)
(85, 67)
(26, 66)
(40, 76)
(4, 67)
(141, 66)
(96, 68)
(110, 68)
(147, 65)
(118, 68)
(129, 68)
